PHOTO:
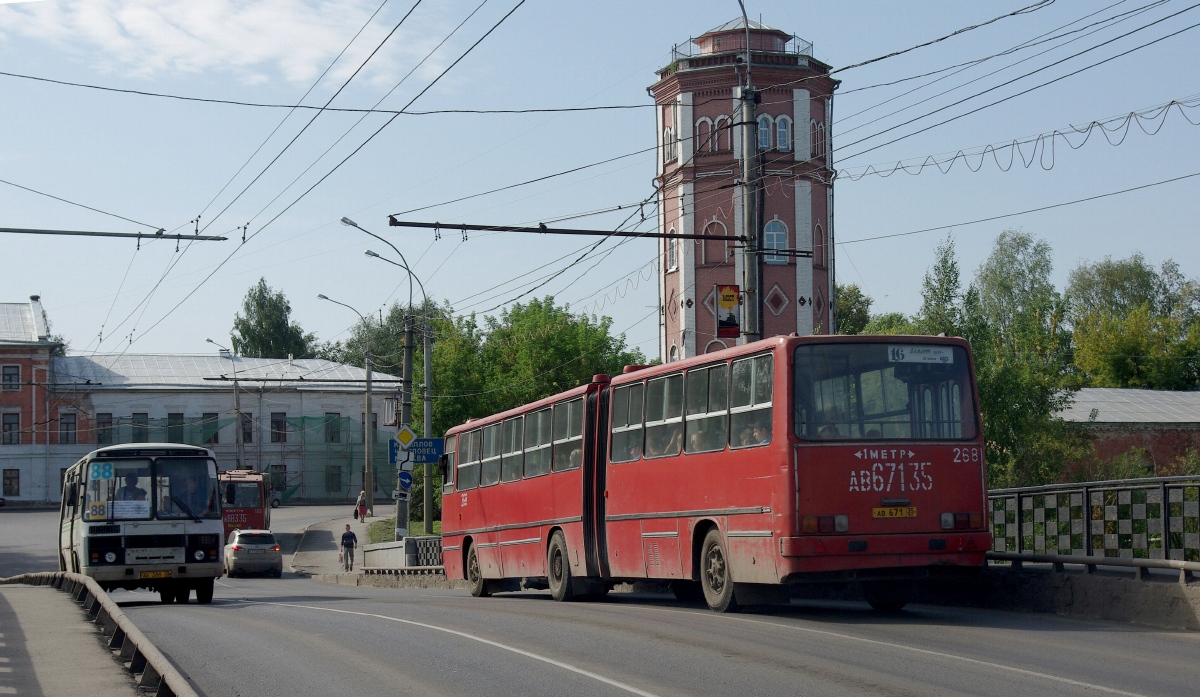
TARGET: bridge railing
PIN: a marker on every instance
(1141, 523)
(154, 673)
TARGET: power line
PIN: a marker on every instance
(1024, 212)
(80, 205)
(1028, 90)
(543, 230)
(339, 165)
(345, 110)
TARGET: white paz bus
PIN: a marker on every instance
(144, 515)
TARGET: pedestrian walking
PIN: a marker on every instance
(349, 544)
(362, 505)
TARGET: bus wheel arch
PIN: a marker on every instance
(558, 567)
(699, 532)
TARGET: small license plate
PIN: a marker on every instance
(894, 512)
(257, 551)
(155, 574)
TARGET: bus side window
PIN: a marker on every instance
(750, 412)
(537, 443)
(664, 416)
(451, 463)
(468, 467)
(490, 469)
(706, 428)
(627, 423)
(568, 435)
(512, 457)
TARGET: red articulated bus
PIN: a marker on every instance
(245, 502)
(732, 475)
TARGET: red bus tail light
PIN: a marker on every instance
(976, 519)
(961, 521)
(825, 523)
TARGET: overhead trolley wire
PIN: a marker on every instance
(339, 164)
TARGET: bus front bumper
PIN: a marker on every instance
(120, 573)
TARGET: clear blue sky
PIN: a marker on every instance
(161, 162)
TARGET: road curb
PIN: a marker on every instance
(154, 673)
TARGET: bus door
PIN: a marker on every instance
(594, 471)
(890, 440)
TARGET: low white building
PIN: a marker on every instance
(301, 419)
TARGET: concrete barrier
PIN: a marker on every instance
(154, 673)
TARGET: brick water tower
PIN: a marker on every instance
(785, 278)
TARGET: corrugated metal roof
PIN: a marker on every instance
(740, 24)
(17, 322)
(1115, 405)
(178, 371)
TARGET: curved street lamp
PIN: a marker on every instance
(368, 460)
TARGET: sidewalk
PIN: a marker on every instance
(47, 647)
(317, 553)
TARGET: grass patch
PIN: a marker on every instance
(384, 529)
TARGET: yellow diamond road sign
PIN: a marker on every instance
(405, 436)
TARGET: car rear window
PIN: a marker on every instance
(256, 538)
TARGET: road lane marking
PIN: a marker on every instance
(528, 654)
(927, 652)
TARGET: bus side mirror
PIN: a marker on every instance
(72, 492)
(443, 463)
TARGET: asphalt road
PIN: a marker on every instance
(299, 637)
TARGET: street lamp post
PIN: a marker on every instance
(368, 459)
(427, 479)
(237, 407)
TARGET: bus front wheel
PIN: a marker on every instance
(715, 579)
(479, 587)
(204, 591)
(558, 568)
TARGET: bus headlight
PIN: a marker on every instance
(199, 555)
(110, 557)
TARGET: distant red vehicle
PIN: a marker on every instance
(732, 475)
(245, 502)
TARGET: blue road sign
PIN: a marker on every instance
(405, 480)
(426, 450)
(393, 450)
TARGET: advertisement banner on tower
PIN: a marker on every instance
(728, 304)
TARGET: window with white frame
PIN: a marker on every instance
(704, 135)
(668, 145)
(720, 141)
(775, 237)
(12, 377)
(672, 252)
(12, 428)
(764, 132)
(783, 134)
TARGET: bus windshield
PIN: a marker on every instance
(854, 392)
(187, 488)
(117, 490)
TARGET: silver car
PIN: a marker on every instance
(253, 551)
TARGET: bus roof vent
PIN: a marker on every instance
(633, 368)
(600, 377)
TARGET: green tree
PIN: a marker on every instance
(537, 349)
(941, 294)
(891, 323)
(853, 309)
(1138, 349)
(264, 328)
(1014, 318)
(1136, 326)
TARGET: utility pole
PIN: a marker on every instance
(368, 441)
(405, 417)
(427, 480)
(751, 259)
(237, 406)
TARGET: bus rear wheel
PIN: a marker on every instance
(479, 587)
(181, 594)
(558, 568)
(887, 597)
(715, 579)
(166, 595)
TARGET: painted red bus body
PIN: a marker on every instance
(244, 501)
(823, 501)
